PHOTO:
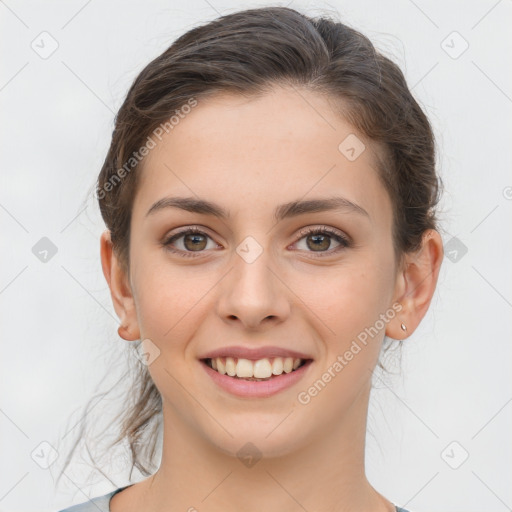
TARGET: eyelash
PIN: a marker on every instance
(344, 241)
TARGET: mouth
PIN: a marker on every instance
(258, 370)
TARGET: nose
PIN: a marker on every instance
(254, 293)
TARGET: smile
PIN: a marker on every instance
(239, 377)
(262, 369)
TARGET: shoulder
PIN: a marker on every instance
(98, 504)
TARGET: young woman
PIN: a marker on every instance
(269, 194)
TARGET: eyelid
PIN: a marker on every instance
(168, 239)
(327, 229)
(344, 240)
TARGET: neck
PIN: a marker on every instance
(326, 474)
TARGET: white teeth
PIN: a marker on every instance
(244, 368)
(221, 368)
(288, 364)
(260, 369)
(277, 366)
(230, 366)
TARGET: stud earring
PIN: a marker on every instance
(404, 328)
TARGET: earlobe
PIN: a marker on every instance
(125, 333)
(416, 285)
(120, 290)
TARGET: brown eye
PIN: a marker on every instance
(319, 240)
(188, 241)
(194, 242)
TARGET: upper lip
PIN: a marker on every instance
(254, 353)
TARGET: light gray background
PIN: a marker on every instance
(58, 324)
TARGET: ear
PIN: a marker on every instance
(415, 285)
(120, 290)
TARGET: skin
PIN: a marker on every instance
(250, 155)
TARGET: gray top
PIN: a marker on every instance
(99, 504)
(102, 504)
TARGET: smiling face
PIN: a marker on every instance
(255, 277)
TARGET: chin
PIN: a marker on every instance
(252, 442)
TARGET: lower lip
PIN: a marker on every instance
(254, 388)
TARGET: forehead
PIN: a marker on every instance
(247, 153)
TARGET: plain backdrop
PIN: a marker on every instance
(439, 427)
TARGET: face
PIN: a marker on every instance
(253, 280)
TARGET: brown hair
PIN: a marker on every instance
(249, 52)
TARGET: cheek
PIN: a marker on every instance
(346, 299)
(350, 306)
(168, 302)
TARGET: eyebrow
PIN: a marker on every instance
(283, 211)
